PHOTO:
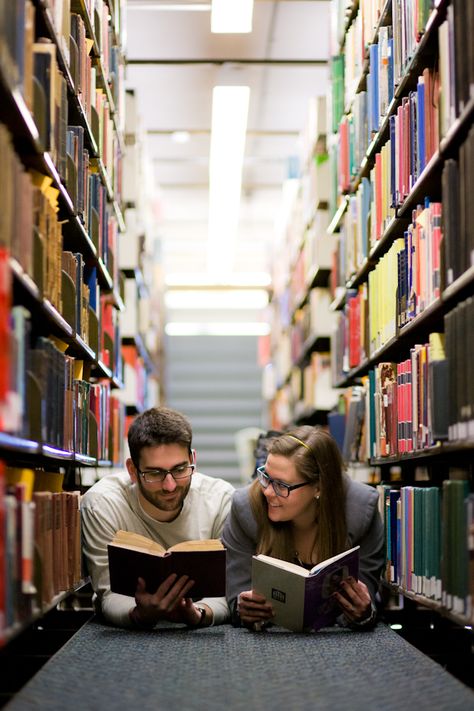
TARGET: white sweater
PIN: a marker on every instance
(113, 504)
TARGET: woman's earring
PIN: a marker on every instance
(316, 496)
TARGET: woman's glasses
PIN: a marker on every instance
(279, 487)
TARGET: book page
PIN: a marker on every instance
(137, 542)
(207, 544)
(329, 561)
(140, 549)
(283, 564)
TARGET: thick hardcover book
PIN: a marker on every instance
(303, 599)
(132, 556)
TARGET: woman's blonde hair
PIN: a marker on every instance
(316, 457)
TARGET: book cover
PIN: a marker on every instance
(302, 599)
(132, 556)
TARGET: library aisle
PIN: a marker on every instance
(257, 212)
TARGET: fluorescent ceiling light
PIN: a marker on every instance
(168, 7)
(216, 299)
(231, 16)
(230, 106)
(237, 279)
(180, 136)
(175, 328)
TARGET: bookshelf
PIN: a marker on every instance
(400, 151)
(297, 378)
(62, 145)
(142, 321)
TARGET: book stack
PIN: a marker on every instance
(300, 314)
(458, 324)
(457, 234)
(61, 92)
(427, 541)
(41, 548)
(402, 149)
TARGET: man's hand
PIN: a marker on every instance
(163, 604)
(253, 608)
(354, 599)
(189, 614)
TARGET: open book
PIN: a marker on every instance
(302, 599)
(132, 556)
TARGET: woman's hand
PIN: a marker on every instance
(354, 599)
(253, 608)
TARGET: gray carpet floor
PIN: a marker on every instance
(224, 668)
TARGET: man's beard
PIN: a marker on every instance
(155, 497)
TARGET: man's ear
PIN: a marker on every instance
(131, 470)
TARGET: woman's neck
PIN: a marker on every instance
(304, 524)
(304, 538)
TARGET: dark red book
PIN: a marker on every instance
(132, 556)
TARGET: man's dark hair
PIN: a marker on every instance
(158, 425)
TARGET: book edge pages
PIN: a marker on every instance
(321, 566)
(283, 565)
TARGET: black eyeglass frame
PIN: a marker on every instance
(163, 473)
(264, 480)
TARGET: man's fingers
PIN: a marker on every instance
(165, 586)
(141, 586)
(178, 591)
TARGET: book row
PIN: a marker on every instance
(456, 59)
(404, 283)
(407, 401)
(45, 397)
(90, 175)
(414, 139)
(424, 399)
(428, 539)
(417, 120)
(40, 543)
(89, 198)
(308, 392)
(458, 238)
(396, 30)
(86, 51)
(34, 234)
(395, 41)
(413, 264)
(309, 329)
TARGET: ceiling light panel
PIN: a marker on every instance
(231, 16)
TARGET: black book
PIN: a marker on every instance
(450, 217)
(78, 131)
(440, 397)
(42, 97)
(132, 556)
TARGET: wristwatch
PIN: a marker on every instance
(367, 621)
(202, 620)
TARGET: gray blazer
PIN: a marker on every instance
(364, 527)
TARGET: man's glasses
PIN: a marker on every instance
(156, 476)
(279, 487)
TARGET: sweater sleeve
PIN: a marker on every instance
(372, 553)
(97, 531)
(218, 605)
(239, 537)
(365, 528)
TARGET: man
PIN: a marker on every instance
(164, 498)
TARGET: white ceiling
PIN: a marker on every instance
(280, 61)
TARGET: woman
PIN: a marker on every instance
(303, 508)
